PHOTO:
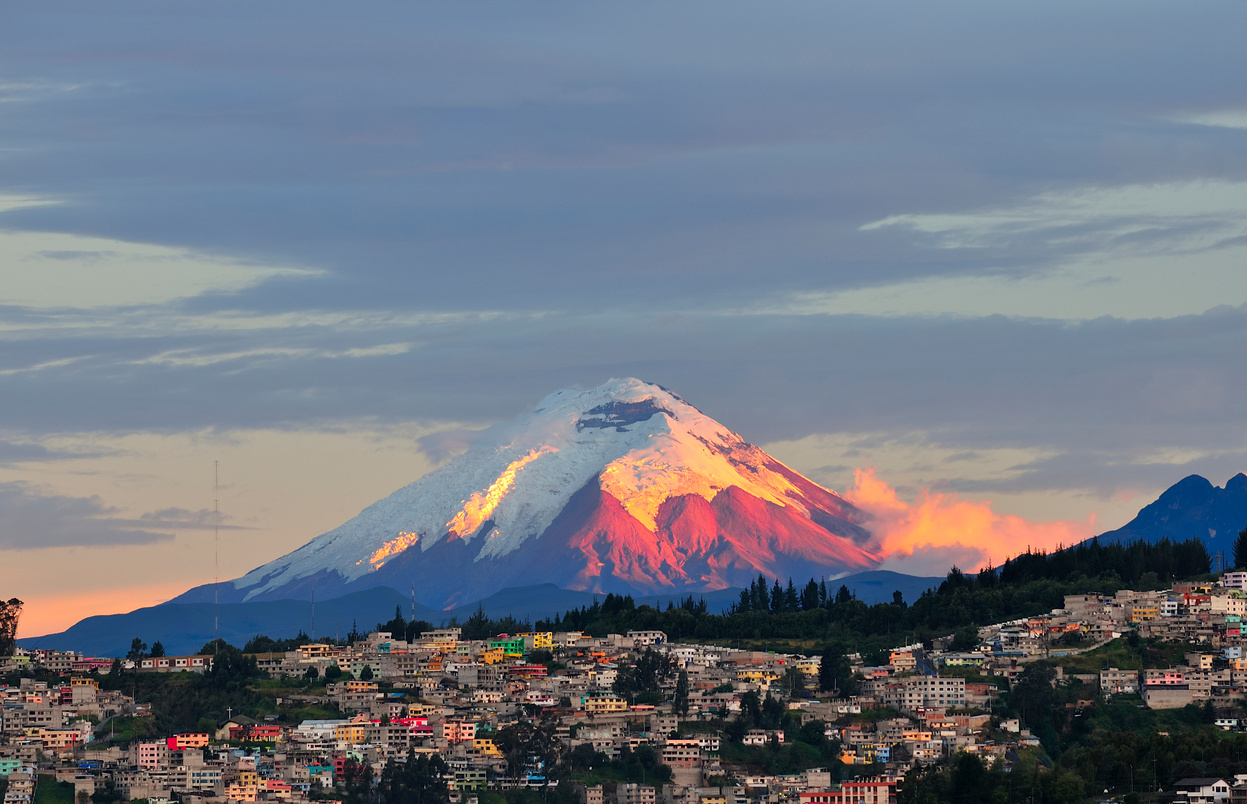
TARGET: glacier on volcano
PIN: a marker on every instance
(622, 487)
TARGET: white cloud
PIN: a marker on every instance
(57, 270)
(1142, 251)
(1226, 118)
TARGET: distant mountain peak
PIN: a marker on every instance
(620, 487)
(1192, 507)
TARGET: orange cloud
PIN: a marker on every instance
(937, 531)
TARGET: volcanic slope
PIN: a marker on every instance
(623, 487)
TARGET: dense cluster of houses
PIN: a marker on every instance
(446, 695)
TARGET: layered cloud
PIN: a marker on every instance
(30, 520)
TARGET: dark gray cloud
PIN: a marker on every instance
(633, 175)
(28, 452)
(30, 520)
(569, 155)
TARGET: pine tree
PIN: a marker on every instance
(1240, 550)
(791, 603)
(809, 596)
(680, 702)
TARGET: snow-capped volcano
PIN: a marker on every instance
(623, 487)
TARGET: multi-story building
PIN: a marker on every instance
(1114, 681)
(866, 790)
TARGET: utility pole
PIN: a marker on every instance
(216, 557)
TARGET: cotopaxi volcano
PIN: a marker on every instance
(624, 487)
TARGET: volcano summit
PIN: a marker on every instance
(624, 487)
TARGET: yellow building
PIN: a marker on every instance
(602, 704)
(543, 640)
(491, 656)
(808, 666)
(1144, 613)
(350, 733)
(753, 675)
(314, 651)
(487, 747)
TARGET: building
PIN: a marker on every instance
(1201, 790)
(1114, 681)
(644, 638)
(866, 790)
(1234, 580)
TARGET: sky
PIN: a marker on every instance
(975, 264)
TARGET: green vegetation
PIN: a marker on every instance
(791, 757)
(52, 792)
(417, 780)
(1128, 653)
(1120, 746)
(10, 611)
(193, 702)
(590, 767)
(640, 680)
(122, 730)
(806, 620)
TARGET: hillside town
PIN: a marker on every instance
(500, 712)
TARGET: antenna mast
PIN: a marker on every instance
(216, 557)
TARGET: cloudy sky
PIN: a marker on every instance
(990, 253)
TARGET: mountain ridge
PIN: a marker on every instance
(1191, 507)
(184, 627)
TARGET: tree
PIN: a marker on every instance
(1240, 552)
(794, 682)
(214, 647)
(680, 703)
(365, 674)
(9, 614)
(138, 649)
(418, 780)
(158, 649)
(809, 596)
(835, 672)
(312, 673)
(357, 777)
(333, 672)
(230, 666)
(966, 638)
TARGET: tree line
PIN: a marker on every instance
(1027, 585)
